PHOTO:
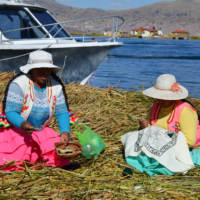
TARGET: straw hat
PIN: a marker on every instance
(70, 151)
(167, 88)
(39, 59)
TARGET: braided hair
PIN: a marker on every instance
(55, 77)
(6, 91)
(184, 100)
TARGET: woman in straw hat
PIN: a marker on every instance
(30, 101)
(172, 112)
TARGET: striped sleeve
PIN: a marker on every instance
(14, 100)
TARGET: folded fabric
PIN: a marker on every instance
(35, 148)
(195, 154)
(148, 165)
(169, 149)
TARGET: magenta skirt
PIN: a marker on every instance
(16, 145)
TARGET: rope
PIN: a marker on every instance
(63, 66)
(24, 54)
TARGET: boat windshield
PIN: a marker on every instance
(45, 18)
(17, 18)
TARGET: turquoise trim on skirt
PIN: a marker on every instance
(195, 154)
(152, 167)
(148, 165)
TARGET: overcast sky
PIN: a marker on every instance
(108, 4)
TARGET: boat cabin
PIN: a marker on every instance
(18, 19)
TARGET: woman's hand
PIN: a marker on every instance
(65, 137)
(143, 123)
(27, 127)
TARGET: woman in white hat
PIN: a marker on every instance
(172, 111)
(30, 101)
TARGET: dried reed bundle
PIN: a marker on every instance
(110, 113)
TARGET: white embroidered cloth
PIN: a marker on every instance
(169, 148)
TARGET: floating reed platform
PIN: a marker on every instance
(110, 113)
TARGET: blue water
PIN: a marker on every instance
(141, 61)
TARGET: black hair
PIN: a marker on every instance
(184, 100)
(59, 80)
(54, 76)
(6, 91)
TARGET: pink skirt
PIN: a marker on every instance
(16, 145)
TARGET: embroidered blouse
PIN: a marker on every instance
(40, 110)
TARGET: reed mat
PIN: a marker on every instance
(110, 113)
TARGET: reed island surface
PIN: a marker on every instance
(109, 112)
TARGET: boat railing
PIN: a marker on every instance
(114, 29)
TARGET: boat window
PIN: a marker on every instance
(45, 18)
(14, 18)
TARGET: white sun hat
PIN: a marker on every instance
(39, 59)
(167, 88)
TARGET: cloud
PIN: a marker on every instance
(118, 5)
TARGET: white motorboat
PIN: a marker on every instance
(25, 28)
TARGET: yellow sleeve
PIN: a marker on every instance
(188, 125)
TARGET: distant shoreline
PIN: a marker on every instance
(87, 34)
(130, 36)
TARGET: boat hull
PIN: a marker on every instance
(80, 61)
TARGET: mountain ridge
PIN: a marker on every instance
(168, 15)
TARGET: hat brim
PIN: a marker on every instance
(26, 68)
(166, 94)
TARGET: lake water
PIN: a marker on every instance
(141, 61)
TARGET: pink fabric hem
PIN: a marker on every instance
(37, 148)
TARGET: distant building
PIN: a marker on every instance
(119, 33)
(160, 32)
(179, 35)
(144, 32)
(135, 31)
